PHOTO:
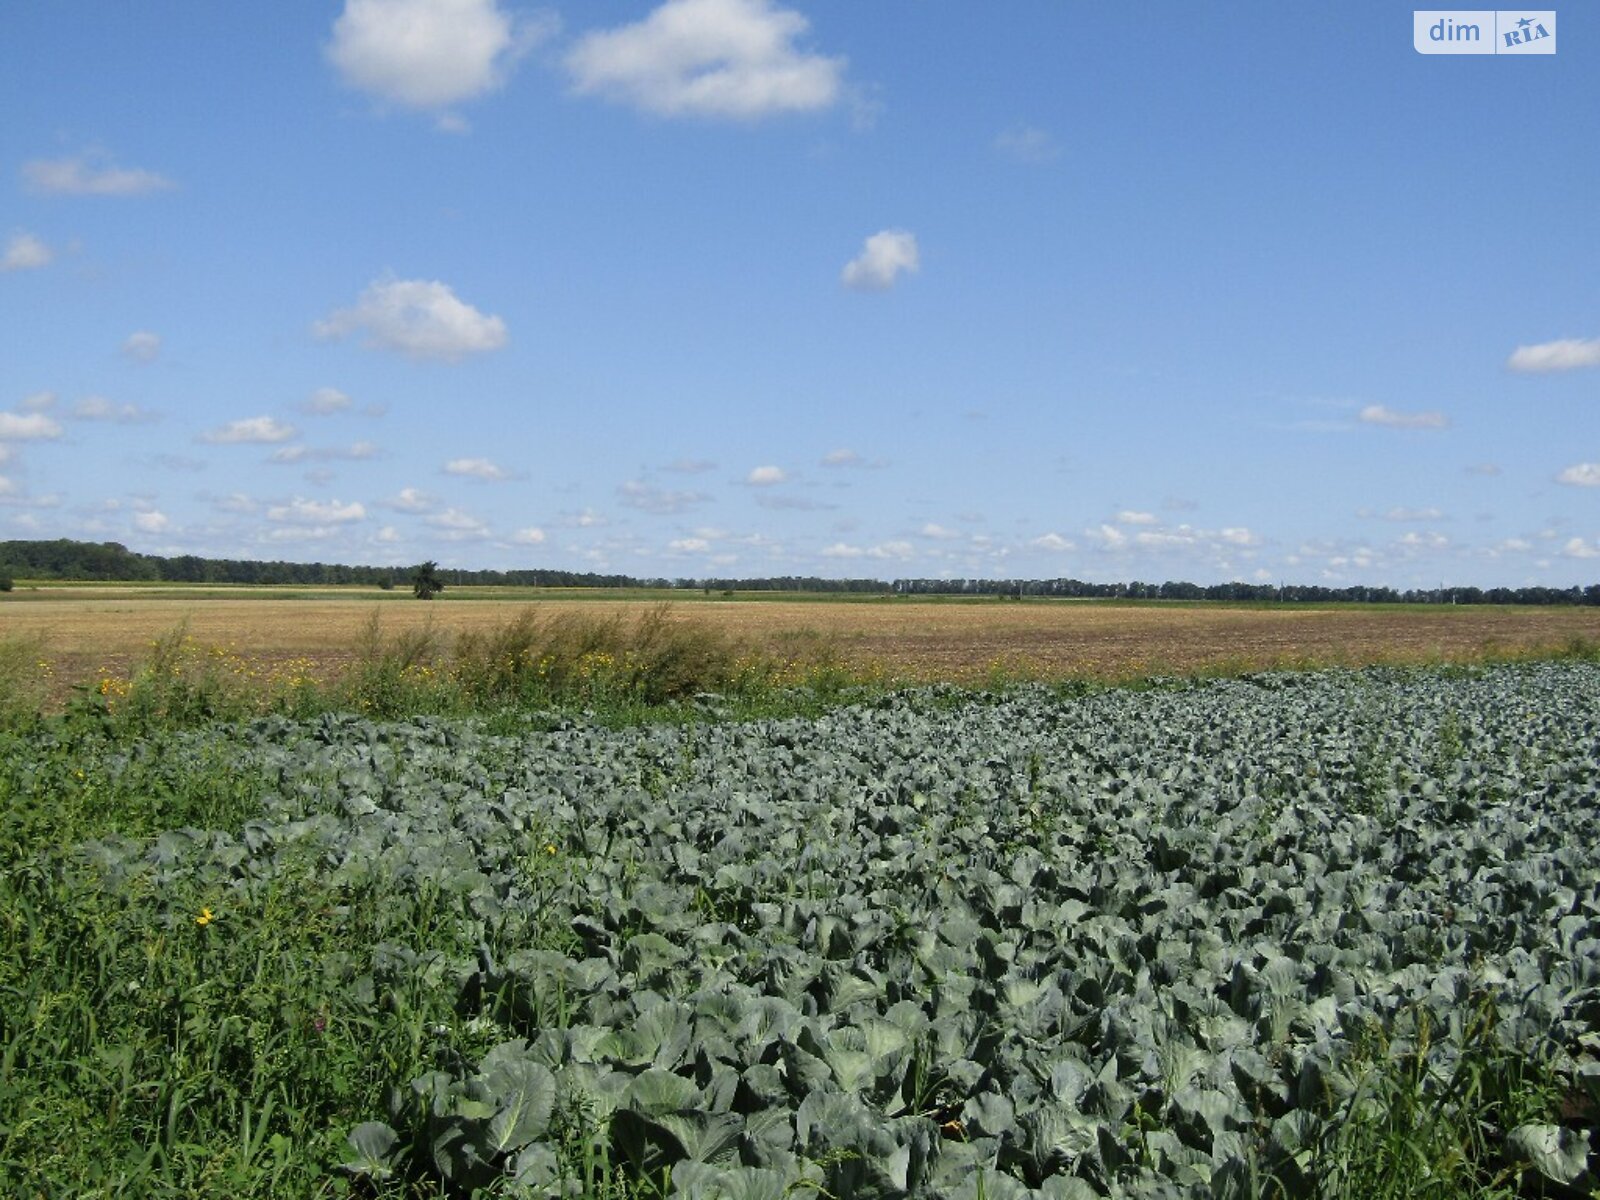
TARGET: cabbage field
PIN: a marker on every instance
(1334, 934)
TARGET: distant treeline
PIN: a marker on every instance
(109, 561)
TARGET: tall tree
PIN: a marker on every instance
(425, 582)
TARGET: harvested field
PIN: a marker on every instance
(88, 631)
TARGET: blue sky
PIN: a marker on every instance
(739, 288)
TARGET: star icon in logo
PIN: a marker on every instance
(1525, 22)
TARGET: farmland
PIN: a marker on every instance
(87, 632)
(1333, 932)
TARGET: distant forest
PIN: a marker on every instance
(110, 561)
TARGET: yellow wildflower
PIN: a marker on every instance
(204, 918)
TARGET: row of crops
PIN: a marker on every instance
(1240, 938)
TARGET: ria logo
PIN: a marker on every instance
(1483, 31)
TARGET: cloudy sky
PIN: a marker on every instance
(734, 287)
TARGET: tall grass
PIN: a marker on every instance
(619, 667)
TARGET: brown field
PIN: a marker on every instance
(87, 632)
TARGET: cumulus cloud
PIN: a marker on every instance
(766, 476)
(324, 402)
(1239, 535)
(1052, 541)
(90, 174)
(419, 318)
(1578, 548)
(1129, 517)
(142, 346)
(531, 536)
(411, 500)
(428, 54)
(355, 452)
(476, 468)
(1108, 536)
(843, 550)
(24, 252)
(689, 545)
(841, 458)
(1579, 474)
(1402, 513)
(98, 408)
(1028, 144)
(663, 501)
(315, 512)
(153, 521)
(457, 525)
(1564, 354)
(884, 257)
(734, 59)
(1377, 414)
(250, 431)
(939, 532)
(27, 427)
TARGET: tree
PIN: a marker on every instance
(424, 582)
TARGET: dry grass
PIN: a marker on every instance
(90, 633)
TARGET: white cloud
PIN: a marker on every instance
(313, 512)
(1051, 541)
(38, 402)
(1109, 536)
(476, 468)
(1565, 354)
(250, 431)
(355, 452)
(1238, 535)
(1402, 513)
(531, 536)
(766, 476)
(419, 318)
(895, 550)
(388, 535)
(649, 498)
(708, 58)
(153, 521)
(1514, 545)
(237, 502)
(842, 550)
(457, 525)
(1028, 144)
(142, 346)
(691, 545)
(98, 408)
(1585, 474)
(841, 458)
(939, 532)
(412, 500)
(1428, 540)
(24, 252)
(6, 453)
(1163, 539)
(1129, 517)
(884, 257)
(1578, 548)
(32, 427)
(324, 402)
(1377, 414)
(427, 54)
(90, 175)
